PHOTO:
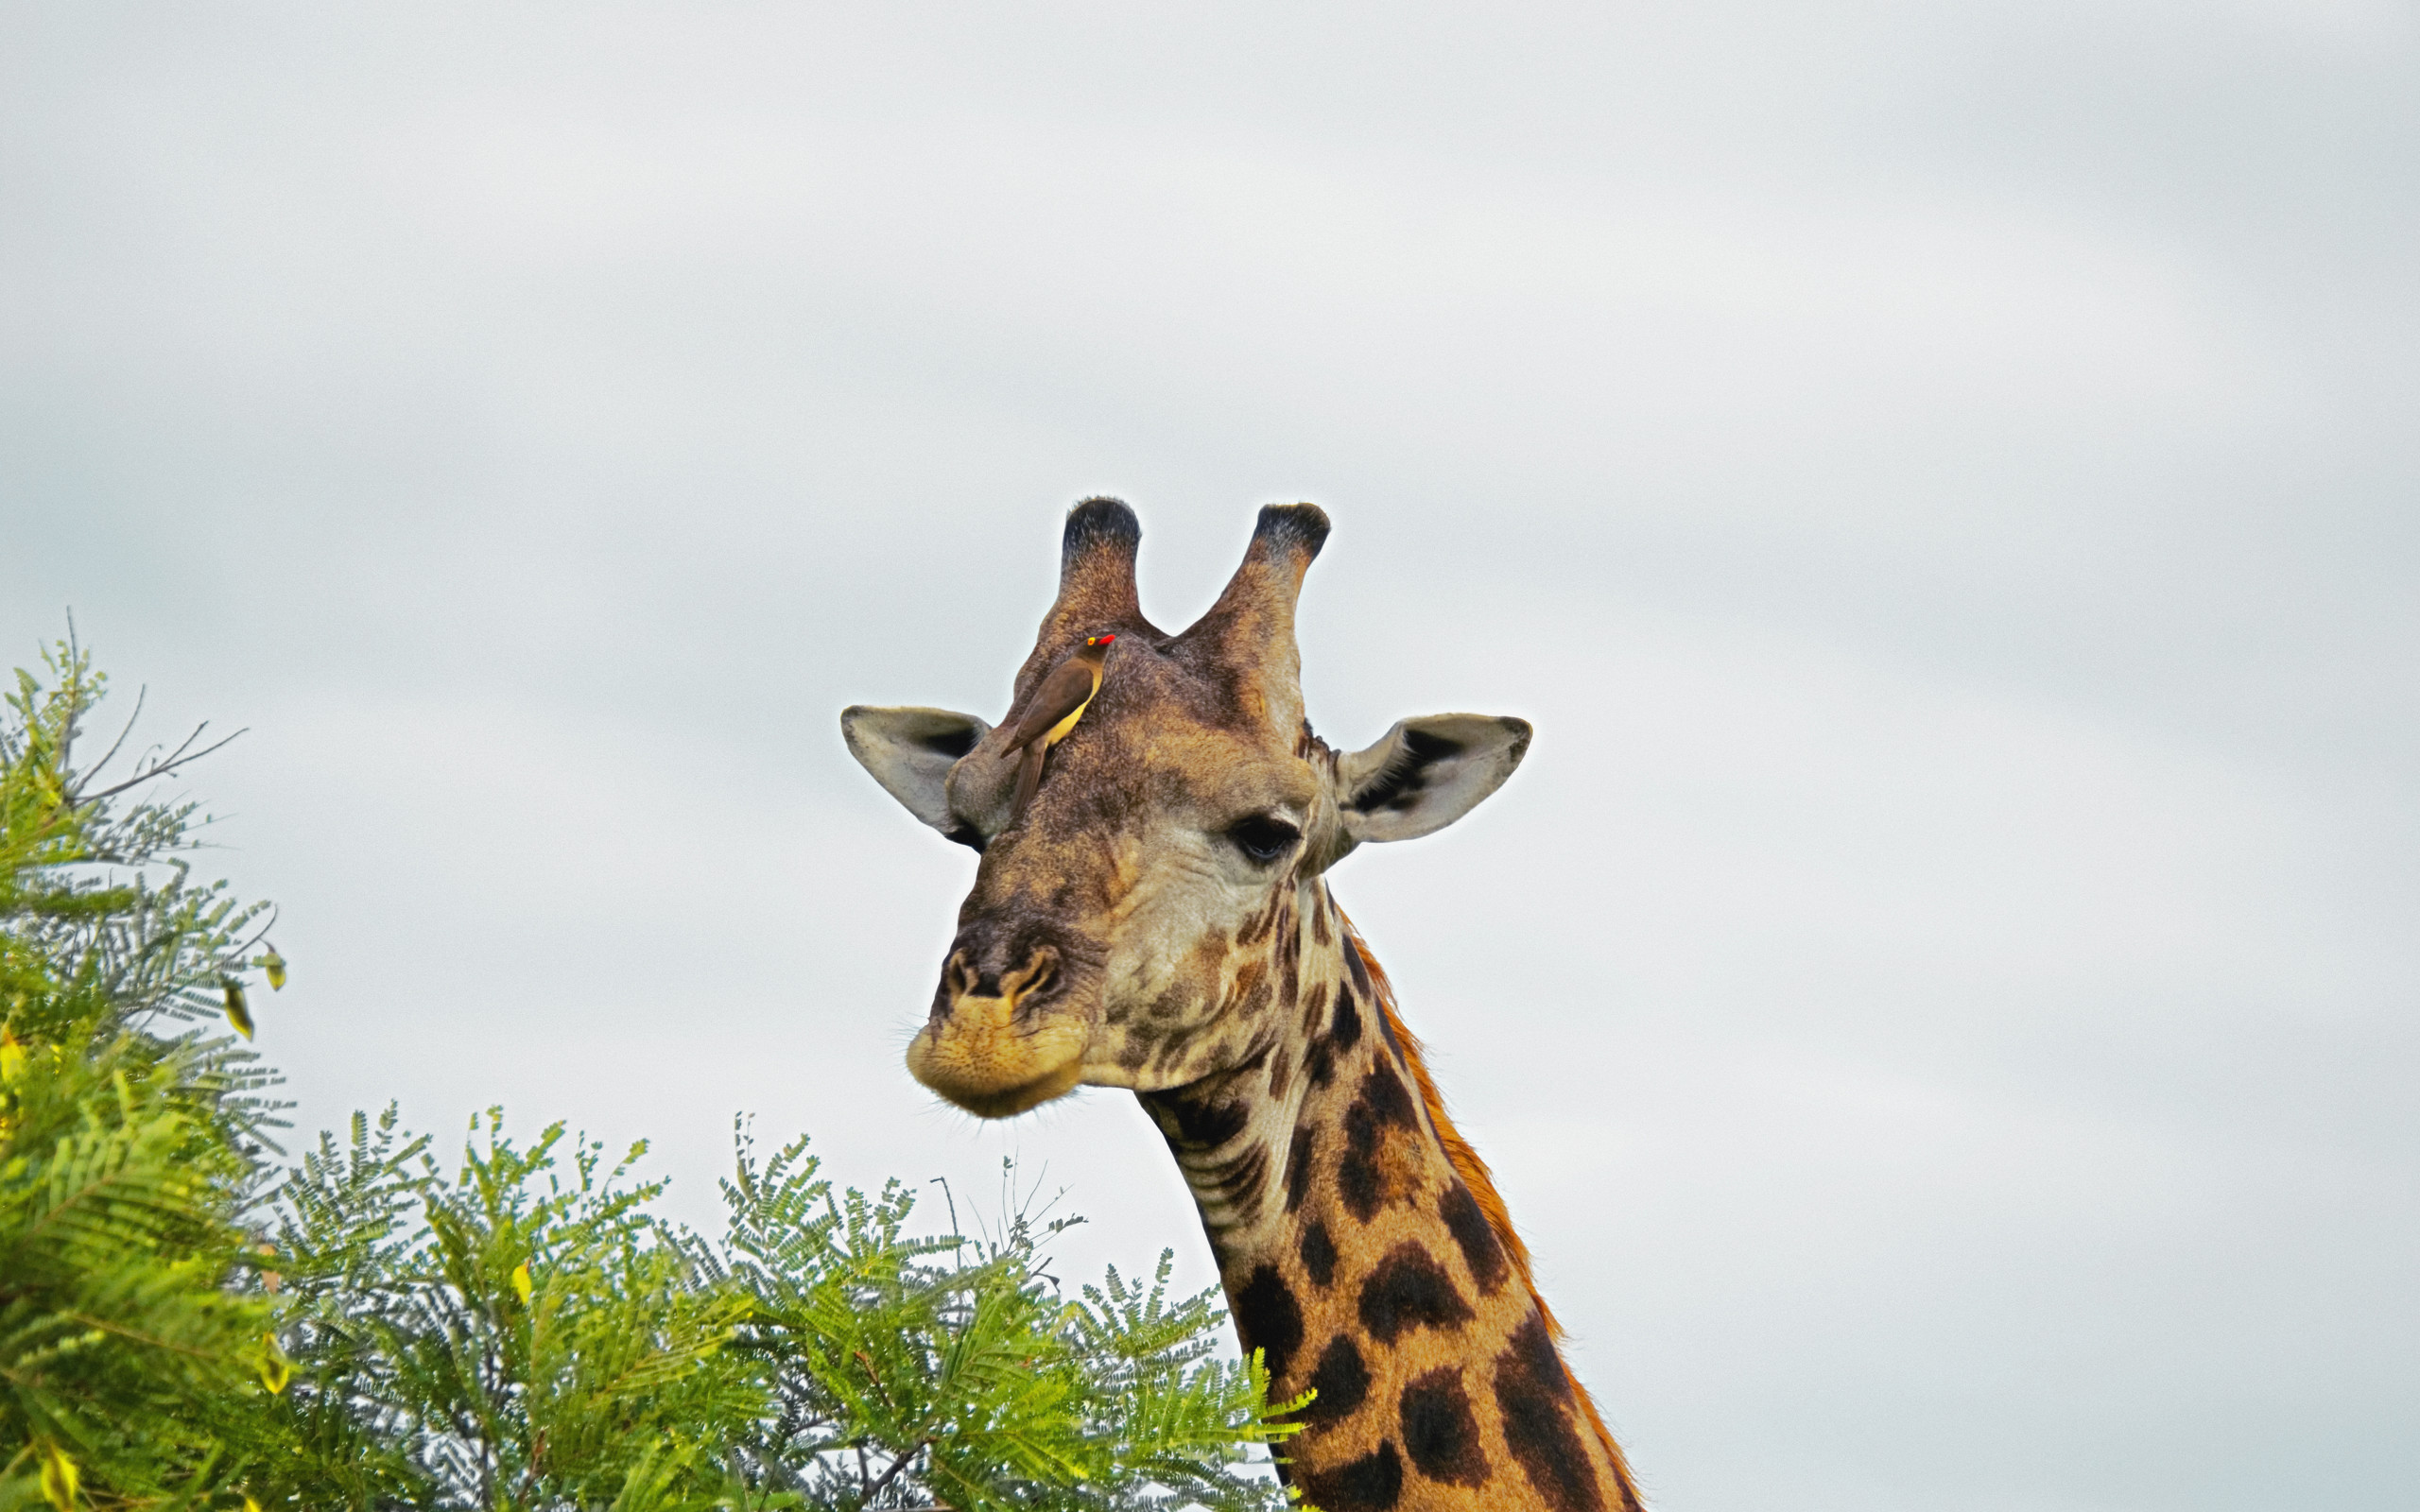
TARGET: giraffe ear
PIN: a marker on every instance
(1425, 774)
(910, 752)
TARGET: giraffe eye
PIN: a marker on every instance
(1264, 837)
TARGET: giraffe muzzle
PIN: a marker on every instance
(998, 1045)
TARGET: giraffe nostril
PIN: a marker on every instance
(984, 969)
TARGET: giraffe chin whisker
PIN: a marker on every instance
(980, 1057)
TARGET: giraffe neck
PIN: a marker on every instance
(1365, 1253)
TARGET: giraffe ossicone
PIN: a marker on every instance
(1157, 917)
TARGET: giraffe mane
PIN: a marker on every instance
(1467, 1164)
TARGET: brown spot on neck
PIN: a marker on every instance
(1475, 1175)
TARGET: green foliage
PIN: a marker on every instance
(907, 1370)
(519, 1335)
(183, 1324)
(126, 1132)
(523, 1335)
(106, 933)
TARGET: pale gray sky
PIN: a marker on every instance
(1939, 996)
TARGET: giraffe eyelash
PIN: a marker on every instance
(1263, 838)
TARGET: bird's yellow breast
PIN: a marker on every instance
(1058, 732)
(1061, 729)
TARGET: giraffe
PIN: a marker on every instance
(1159, 918)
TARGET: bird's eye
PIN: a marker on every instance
(1264, 837)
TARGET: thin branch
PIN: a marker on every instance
(178, 757)
(111, 755)
(67, 731)
(261, 934)
(893, 1473)
(107, 1326)
(530, 1477)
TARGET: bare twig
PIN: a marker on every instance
(182, 756)
(111, 755)
(530, 1476)
(261, 934)
(67, 731)
(893, 1473)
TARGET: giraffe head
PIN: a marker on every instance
(1124, 931)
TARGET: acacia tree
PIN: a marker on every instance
(183, 1322)
(130, 1123)
(521, 1335)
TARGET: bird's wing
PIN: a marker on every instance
(1029, 777)
(1061, 694)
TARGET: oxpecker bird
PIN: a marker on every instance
(1053, 709)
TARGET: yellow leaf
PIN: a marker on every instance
(238, 1015)
(274, 964)
(13, 1057)
(250, 1505)
(275, 1368)
(521, 1283)
(59, 1477)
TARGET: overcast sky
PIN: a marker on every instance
(1940, 477)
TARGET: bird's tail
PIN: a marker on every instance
(1029, 777)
